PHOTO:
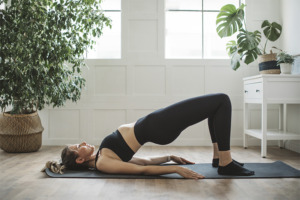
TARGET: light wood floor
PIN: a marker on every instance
(20, 178)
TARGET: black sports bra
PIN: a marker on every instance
(117, 144)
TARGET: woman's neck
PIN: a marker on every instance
(91, 161)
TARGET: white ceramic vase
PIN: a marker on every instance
(285, 68)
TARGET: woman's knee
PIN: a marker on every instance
(224, 98)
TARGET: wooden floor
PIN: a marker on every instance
(20, 178)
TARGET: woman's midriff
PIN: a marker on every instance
(127, 132)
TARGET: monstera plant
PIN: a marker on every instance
(41, 58)
(246, 47)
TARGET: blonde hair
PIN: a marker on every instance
(54, 167)
(68, 161)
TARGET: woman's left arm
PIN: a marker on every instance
(159, 160)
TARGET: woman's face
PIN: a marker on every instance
(84, 150)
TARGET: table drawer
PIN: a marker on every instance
(253, 91)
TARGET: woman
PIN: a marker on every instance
(162, 126)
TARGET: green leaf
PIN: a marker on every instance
(250, 55)
(272, 31)
(248, 40)
(232, 50)
(229, 20)
(43, 36)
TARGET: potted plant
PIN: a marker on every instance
(41, 57)
(285, 61)
(246, 48)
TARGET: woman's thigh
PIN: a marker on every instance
(165, 125)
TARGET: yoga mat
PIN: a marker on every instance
(276, 169)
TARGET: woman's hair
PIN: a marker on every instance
(68, 161)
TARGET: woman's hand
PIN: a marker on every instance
(187, 173)
(180, 160)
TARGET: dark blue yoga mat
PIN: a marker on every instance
(276, 169)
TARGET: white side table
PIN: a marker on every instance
(270, 89)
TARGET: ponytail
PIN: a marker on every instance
(54, 167)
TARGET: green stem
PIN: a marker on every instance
(264, 50)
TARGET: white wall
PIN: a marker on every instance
(120, 91)
(291, 43)
(259, 10)
(291, 29)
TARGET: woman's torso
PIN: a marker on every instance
(127, 132)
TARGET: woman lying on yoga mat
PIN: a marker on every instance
(162, 126)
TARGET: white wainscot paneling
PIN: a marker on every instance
(142, 7)
(255, 116)
(138, 113)
(249, 70)
(237, 128)
(85, 75)
(110, 80)
(64, 124)
(194, 135)
(107, 121)
(223, 79)
(143, 36)
(149, 80)
(187, 80)
(293, 116)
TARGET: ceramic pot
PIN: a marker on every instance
(285, 68)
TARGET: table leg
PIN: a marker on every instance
(246, 124)
(264, 130)
(280, 142)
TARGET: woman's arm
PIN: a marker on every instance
(159, 160)
(114, 166)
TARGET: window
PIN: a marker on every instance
(108, 46)
(190, 30)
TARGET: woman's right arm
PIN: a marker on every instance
(114, 166)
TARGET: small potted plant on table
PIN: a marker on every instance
(285, 61)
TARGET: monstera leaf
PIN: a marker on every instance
(232, 49)
(271, 31)
(248, 40)
(229, 20)
(237, 54)
(249, 56)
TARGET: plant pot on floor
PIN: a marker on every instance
(20, 133)
(268, 64)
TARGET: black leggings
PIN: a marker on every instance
(163, 126)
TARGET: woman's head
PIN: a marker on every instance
(75, 156)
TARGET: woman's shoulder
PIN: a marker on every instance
(108, 154)
(105, 158)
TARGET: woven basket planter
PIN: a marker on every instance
(268, 64)
(20, 133)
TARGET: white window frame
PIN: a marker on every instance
(203, 39)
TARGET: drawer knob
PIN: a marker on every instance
(246, 91)
(257, 90)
